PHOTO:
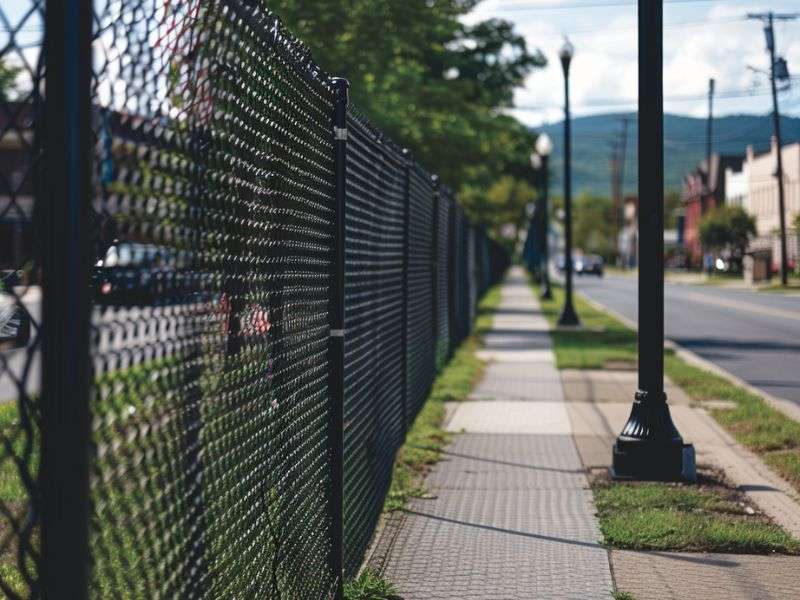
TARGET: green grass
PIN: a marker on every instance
(602, 339)
(622, 596)
(752, 422)
(709, 518)
(370, 586)
(13, 495)
(426, 438)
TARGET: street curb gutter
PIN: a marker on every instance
(787, 408)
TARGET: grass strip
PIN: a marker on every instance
(705, 517)
(370, 586)
(600, 342)
(753, 422)
(426, 438)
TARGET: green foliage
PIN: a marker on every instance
(594, 225)
(502, 203)
(370, 586)
(431, 82)
(727, 227)
(8, 80)
(602, 339)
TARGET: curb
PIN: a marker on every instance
(787, 408)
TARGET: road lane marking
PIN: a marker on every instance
(744, 306)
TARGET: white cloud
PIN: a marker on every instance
(605, 65)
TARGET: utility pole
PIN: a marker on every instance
(622, 156)
(621, 173)
(777, 71)
(710, 125)
(618, 151)
(615, 194)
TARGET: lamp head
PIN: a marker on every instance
(544, 145)
(566, 53)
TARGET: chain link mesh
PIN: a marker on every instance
(214, 202)
(374, 393)
(420, 334)
(212, 213)
(21, 87)
(442, 255)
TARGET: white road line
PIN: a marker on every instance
(744, 306)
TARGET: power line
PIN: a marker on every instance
(531, 7)
(615, 30)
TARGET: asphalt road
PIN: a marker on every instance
(754, 335)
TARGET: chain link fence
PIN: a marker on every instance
(172, 425)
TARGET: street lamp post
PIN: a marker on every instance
(568, 315)
(650, 446)
(544, 146)
(535, 225)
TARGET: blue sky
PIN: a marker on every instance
(702, 39)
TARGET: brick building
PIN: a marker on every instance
(703, 190)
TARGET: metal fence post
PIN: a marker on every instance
(66, 259)
(407, 162)
(452, 267)
(336, 348)
(435, 269)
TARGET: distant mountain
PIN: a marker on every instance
(684, 146)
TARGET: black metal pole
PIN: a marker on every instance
(66, 260)
(710, 126)
(650, 446)
(435, 270)
(407, 162)
(336, 373)
(547, 294)
(776, 120)
(452, 278)
(568, 316)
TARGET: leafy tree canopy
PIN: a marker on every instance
(433, 83)
(727, 227)
(593, 225)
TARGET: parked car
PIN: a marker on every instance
(133, 274)
(15, 322)
(589, 264)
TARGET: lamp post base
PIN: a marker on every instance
(650, 447)
(568, 318)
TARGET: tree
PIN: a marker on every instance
(728, 228)
(502, 204)
(433, 83)
(593, 225)
(8, 80)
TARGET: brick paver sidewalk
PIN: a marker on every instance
(512, 517)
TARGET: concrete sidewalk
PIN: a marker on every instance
(512, 514)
